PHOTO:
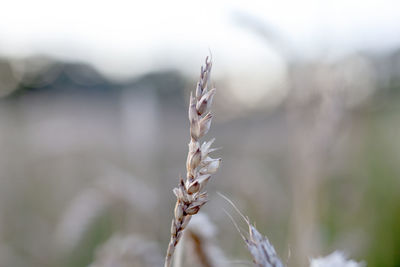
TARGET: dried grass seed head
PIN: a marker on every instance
(199, 165)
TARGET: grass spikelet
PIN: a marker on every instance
(189, 193)
(261, 250)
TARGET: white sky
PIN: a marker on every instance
(123, 38)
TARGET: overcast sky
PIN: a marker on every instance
(123, 38)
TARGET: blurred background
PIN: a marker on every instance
(94, 129)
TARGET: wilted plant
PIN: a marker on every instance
(189, 193)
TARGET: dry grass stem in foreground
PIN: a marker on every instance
(189, 193)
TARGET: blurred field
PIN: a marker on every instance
(84, 158)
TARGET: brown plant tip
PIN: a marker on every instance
(199, 165)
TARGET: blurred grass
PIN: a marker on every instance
(101, 229)
(382, 196)
(364, 197)
(145, 134)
